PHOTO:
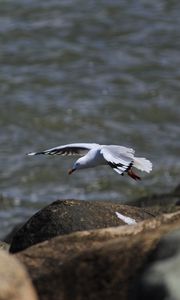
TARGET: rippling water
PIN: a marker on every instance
(78, 71)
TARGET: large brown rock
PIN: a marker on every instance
(63, 217)
(98, 264)
(14, 281)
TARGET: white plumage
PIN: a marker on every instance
(120, 158)
(126, 219)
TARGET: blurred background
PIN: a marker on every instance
(86, 71)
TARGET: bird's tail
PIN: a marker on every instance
(142, 164)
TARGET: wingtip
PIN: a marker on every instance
(31, 153)
(37, 153)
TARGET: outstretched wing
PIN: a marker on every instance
(119, 158)
(70, 149)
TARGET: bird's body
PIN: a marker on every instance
(120, 158)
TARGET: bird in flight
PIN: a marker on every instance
(120, 159)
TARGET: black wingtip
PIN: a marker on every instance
(35, 153)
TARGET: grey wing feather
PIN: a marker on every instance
(69, 149)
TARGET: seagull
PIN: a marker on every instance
(120, 159)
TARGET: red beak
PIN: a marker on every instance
(71, 171)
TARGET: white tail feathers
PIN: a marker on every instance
(142, 164)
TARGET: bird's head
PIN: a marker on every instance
(79, 164)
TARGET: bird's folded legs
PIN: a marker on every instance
(133, 175)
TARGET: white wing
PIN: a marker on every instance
(119, 158)
(69, 149)
(120, 150)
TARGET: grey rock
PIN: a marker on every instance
(161, 278)
(9, 237)
(159, 203)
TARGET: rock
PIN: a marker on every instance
(159, 203)
(9, 237)
(177, 190)
(4, 246)
(63, 217)
(177, 193)
(160, 279)
(14, 281)
(97, 264)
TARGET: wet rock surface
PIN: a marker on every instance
(64, 217)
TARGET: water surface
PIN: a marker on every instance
(77, 71)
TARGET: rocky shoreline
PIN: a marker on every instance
(75, 249)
